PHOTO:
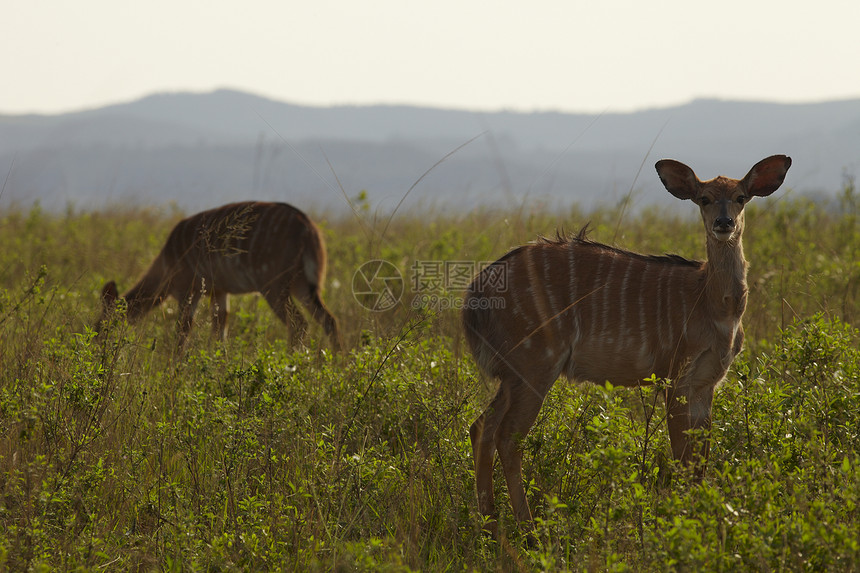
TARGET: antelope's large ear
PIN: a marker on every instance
(678, 179)
(767, 175)
(109, 294)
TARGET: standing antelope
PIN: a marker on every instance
(589, 311)
(270, 248)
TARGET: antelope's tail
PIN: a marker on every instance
(477, 322)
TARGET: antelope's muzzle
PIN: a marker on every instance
(724, 225)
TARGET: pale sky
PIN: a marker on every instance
(594, 56)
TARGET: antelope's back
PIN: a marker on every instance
(583, 309)
(242, 247)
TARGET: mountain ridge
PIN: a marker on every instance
(200, 149)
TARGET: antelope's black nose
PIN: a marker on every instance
(724, 223)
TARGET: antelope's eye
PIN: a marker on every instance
(741, 199)
(704, 201)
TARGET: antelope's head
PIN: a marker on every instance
(109, 298)
(721, 200)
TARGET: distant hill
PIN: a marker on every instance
(201, 150)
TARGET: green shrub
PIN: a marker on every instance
(116, 453)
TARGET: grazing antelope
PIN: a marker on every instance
(589, 311)
(270, 248)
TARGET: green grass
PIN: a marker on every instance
(117, 455)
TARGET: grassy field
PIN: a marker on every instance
(117, 454)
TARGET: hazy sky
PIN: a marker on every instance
(600, 55)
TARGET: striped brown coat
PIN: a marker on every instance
(587, 311)
(270, 248)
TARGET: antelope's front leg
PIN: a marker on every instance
(187, 307)
(220, 311)
(738, 343)
(688, 407)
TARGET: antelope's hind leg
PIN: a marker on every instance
(310, 297)
(502, 427)
(285, 309)
(525, 402)
(483, 437)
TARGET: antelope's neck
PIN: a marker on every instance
(726, 277)
(146, 294)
